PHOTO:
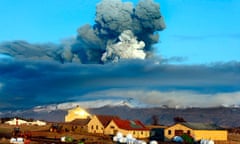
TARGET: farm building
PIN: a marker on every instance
(38, 123)
(99, 122)
(77, 113)
(135, 128)
(197, 130)
(157, 132)
(77, 125)
(17, 121)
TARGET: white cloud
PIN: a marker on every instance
(172, 98)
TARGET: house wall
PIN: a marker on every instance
(197, 134)
(15, 121)
(76, 113)
(136, 133)
(112, 129)
(170, 131)
(95, 126)
(211, 134)
(141, 133)
(74, 128)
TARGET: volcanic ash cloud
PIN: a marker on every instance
(128, 47)
(121, 31)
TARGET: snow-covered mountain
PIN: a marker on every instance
(223, 115)
(131, 103)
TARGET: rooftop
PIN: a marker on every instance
(130, 125)
(105, 119)
(201, 126)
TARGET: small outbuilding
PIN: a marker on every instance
(38, 123)
(16, 121)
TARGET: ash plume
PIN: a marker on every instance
(121, 31)
(100, 43)
(127, 47)
(24, 50)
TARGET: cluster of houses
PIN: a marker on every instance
(78, 120)
(105, 124)
(110, 125)
(17, 121)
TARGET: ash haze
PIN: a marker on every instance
(179, 53)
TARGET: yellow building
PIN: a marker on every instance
(76, 113)
(135, 128)
(197, 130)
(99, 122)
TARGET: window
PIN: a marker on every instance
(141, 132)
(169, 132)
(97, 127)
(112, 127)
(92, 127)
(188, 132)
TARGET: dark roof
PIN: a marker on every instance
(81, 122)
(105, 119)
(130, 124)
(156, 126)
(201, 126)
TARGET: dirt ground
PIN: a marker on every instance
(41, 134)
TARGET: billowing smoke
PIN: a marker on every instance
(121, 31)
(25, 50)
(127, 47)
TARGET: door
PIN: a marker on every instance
(178, 132)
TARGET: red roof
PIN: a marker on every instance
(130, 124)
(106, 119)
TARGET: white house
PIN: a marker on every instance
(38, 123)
(16, 122)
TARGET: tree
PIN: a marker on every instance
(179, 119)
(187, 139)
(155, 120)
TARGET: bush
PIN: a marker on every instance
(187, 139)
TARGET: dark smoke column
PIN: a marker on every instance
(121, 32)
(149, 16)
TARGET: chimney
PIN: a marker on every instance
(16, 121)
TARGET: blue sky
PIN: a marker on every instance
(199, 31)
(202, 30)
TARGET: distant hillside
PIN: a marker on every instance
(222, 116)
